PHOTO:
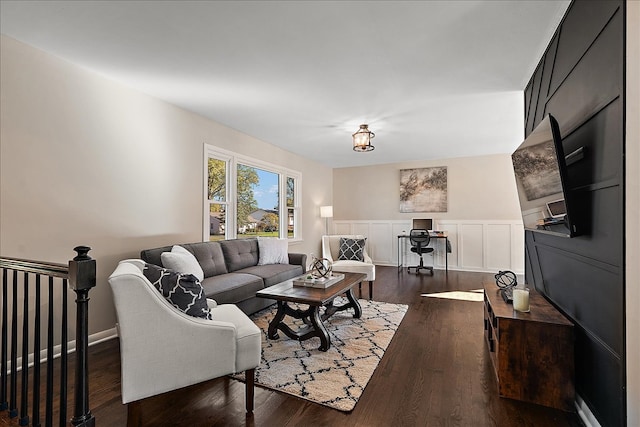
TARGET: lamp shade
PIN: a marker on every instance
(326, 211)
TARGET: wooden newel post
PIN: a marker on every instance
(82, 277)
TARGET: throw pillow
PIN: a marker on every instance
(183, 291)
(351, 249)
(183, 261)
(273, 251)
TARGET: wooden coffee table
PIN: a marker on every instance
(315, 298)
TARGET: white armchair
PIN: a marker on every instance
(330, 250)
(163, 349)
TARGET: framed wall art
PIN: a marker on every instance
(423, 189)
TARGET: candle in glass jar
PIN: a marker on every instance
(521, 299)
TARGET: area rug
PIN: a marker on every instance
(337, 377)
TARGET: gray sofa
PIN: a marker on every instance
(231, 271)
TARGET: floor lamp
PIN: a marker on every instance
(326, 212)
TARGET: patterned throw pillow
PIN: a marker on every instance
(183, 291)
(351, 249)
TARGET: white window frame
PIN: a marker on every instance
(232, 160)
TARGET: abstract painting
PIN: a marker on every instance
(537, 170)
(423, 189)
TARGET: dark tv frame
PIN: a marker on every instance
(567, 227)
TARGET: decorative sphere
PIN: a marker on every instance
(321, 268)
(506, 279)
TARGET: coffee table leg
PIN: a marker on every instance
(355, 304)
(321, 331)
(272, 332)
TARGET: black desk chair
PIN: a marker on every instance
(419, 244)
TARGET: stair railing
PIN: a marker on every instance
(80, 273)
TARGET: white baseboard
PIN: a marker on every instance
(103, 336)
(71, 348)
(585, 413)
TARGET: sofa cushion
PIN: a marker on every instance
(273, 251)
(183, 261)
(232, 288)
(274, 273)
(210, 257)
(240, 253)
(351, 249)
(183, 291)
(153, 256)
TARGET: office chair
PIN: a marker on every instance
(419, 244)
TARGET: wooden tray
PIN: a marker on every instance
(322, 283)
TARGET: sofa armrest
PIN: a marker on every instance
(298, 259)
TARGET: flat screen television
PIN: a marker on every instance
(541, 179)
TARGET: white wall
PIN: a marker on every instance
(483, 217)
(632, 151)
(85, 160)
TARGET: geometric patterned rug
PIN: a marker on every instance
(337, 377)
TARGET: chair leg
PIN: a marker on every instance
(134, 414)
(421, 266)
(370, 289)
(250, 384)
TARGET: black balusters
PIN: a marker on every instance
(80, 273)
(49, 399)
(63, 357)
(24, 417)
(35, 413)
(3, 343)
(13, 388)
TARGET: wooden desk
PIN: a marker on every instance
(402, 241)
(531, 353)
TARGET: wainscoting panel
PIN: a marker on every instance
(397, 229)
(452, 231)
(380, 246)
(342, 228)
(517, 241)
(496, 252)
(363, 229)
(476, 245)
(472, 245)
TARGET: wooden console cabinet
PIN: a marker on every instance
(531, 353)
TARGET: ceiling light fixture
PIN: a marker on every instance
(362, 139)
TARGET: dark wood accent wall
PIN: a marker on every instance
(580, 81)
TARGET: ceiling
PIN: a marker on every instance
(433, 79)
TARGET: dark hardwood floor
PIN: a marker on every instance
(436, 372)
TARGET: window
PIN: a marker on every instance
(292, 209)
(216, 205)
(243, 197)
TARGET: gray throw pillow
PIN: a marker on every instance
(183, 291)
(351, 249)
